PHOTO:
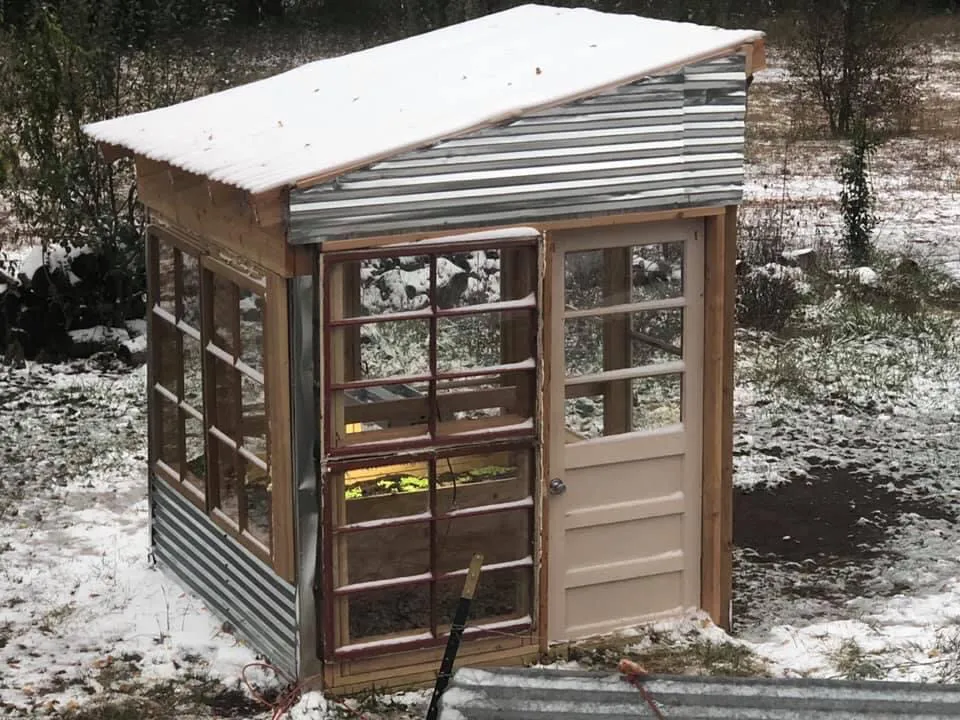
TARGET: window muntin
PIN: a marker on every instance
(623, 335)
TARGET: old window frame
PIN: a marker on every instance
(209, 500)
(499, 436)
(438, 433)
(219, 440)
(182, 479)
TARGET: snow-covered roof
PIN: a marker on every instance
(341, 113)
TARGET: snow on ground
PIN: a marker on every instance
(848, 490)
(78, 594)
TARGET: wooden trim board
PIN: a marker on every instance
(547, 226)
(252, 226)
(717, 492)
(419, 668)
(276, 347)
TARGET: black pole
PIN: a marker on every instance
(456, 634)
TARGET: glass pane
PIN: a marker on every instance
(167, 274)
(254, 417)
(388, 612)
(226, 409)
(384, 552)
(489, 396)
(190, 277)
(251, 329)
(501, 537)
(657, 271)
(226, 313)
(468, 278)
(501, 595)
(259, 499)
(386, 491)
(192, 372)
(228, 477)
(392, 411)
(471, 481)
(486, 340)
(168, 432)
(387, 349)
(196, 454)
(616, 276)
(584, 417)
(166, 355)
(381, 286)
(632, 340)
(655, 402)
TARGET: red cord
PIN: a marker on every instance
(289, 696)
(635, 675)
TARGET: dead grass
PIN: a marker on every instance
(192, 697)
(668, 655)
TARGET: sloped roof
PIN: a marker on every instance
(545, 694)
(341, 113)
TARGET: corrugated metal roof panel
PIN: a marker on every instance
(539, 693)
(328, 116)
(610, 154)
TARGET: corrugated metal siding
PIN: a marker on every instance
(672, 141)
(512, 694)
(233, 583)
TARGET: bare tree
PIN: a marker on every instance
(853, 57)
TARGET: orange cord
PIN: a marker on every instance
(635, 674)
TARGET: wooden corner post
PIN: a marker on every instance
(716, 576)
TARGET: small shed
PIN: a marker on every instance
(470, 291)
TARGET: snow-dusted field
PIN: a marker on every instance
(858, 457)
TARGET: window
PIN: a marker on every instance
(241, 492)
(177, 383)
(431, 348)
(210, 429)
(623, 339)
(431, 358)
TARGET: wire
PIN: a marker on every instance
(289, 696)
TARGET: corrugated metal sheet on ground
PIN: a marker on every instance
(672, 141)
(232, 582)
(331, 115)
(541, 693)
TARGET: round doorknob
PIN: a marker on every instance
(557, 486)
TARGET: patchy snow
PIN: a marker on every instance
(324, 117)
(54, 256)
(865, 276)
(78, 592)
(100, 335)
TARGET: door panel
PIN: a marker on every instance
(625, 427)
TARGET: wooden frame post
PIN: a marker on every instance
(277, 387)
(717, 493)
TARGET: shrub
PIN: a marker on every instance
(768, 297)
(857, 200)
